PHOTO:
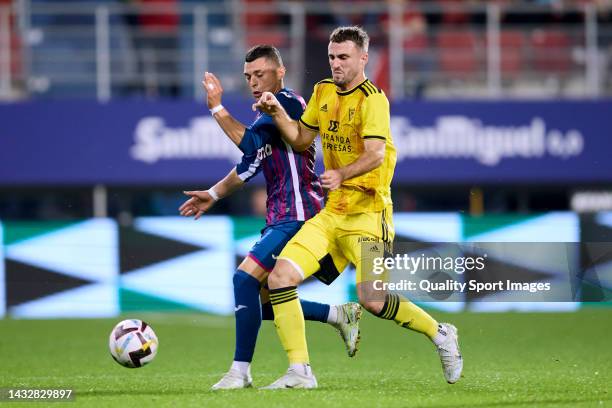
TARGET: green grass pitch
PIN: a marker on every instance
(522, 360)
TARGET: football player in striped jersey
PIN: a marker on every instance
(294, 196)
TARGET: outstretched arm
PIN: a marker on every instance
(297, 135)
(202, 200)
(214, 91)
(371, 158)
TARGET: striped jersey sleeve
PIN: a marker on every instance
(253, 147)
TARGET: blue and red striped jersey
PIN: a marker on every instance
(294, 190)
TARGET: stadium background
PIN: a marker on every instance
(500, 112)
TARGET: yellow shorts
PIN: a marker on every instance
(339, 238)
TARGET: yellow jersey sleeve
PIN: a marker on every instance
(375, 117)
(310, 117)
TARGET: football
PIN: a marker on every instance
(133, 343)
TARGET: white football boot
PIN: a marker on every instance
(232, 380)
(348, 326)
(294, 378)
(452, 362)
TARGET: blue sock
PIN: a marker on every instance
(312, 311)
(248, 318)
(315, 311)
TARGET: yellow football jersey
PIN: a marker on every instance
(344, 119)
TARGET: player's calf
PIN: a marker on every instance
(371, 299)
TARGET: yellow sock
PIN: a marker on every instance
(289, 322)
(408, 315)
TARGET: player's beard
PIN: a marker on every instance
(341, 82)
(345, 79)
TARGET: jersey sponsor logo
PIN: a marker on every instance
(264, 152)
(323, 108)
(336, 143)
(333, 126)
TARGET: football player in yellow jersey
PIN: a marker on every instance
(352, 116)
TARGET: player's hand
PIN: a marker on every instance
(267, 103)
(332, 179)
(198, 204)
(214, 90)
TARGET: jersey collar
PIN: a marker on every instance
(350, 91)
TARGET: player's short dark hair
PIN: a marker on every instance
(263, 50)
(355, 34)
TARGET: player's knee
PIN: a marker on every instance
(284, 274)
(250, 267)
(244, 281)
(239, 278)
